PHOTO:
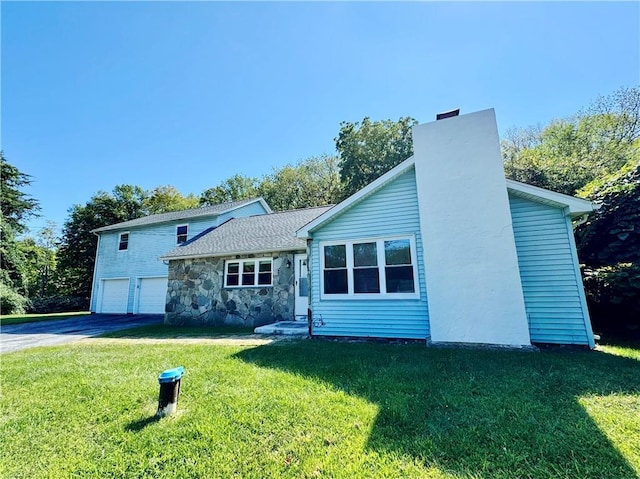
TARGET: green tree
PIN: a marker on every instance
(314, 181)
(40, 261)
(567, 155)
(369, 149)
(609, 245)
(164, 199)
(236, 188)
(16, 207)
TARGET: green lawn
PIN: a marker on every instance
(6, 320)
(320, 409)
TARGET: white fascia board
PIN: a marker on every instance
(232, 253)
(305, 231)
(576, 206)
(260, 200)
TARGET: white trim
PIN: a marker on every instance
(296, 293)
(583, 299)
(93, 281)
(256, 272)
(187, 235)
(351, 295)
(128, 233)
(306, 230)
(575, 206)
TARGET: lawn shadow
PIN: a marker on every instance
(474, 412)
(140, 424)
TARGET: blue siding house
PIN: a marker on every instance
(129, 276)
(371, 256)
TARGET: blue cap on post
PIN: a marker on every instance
(171, 375)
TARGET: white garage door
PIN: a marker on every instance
(114, 297)
(152, 295)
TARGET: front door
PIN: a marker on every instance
(301, 287)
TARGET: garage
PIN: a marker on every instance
(114, 296)
(152, 294)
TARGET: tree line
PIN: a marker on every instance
(594, 154)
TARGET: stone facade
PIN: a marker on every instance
(196, 294)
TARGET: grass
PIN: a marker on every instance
(164, 331)
(320, 409)
(6, 320)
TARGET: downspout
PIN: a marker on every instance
(310, 292)
(95, 267)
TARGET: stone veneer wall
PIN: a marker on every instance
(196, 294)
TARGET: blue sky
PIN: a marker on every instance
(96, 94)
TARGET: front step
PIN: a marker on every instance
(285, 328)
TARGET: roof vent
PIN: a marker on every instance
(447, 114)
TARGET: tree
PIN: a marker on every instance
(164, 199)
(369, 149)
(236, 188)
(40, 261)
(567, 155)
(314, 181)
(609, 245)
(76, 256)
(15, 206)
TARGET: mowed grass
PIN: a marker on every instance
(298, 409)
(6, 320)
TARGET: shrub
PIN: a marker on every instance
(12, 302)
(612, 294)
(59, 304)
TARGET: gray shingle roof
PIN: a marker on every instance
(251, 234)
(178, 215)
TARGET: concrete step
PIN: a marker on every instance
(288, 328)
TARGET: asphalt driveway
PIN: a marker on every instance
(49, 333)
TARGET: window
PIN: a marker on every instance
(248, 272)
(181, 234)
(380, 268)
(123, 242)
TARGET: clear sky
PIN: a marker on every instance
(96, 94)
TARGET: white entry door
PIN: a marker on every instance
(301, 286)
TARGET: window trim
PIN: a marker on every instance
(120, 250)
(256, 272)
(351, 295)
(185, 235)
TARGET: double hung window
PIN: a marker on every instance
(181, 234)
(376, 268)
(123, 242)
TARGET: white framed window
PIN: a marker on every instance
(377, 268)
(182, 232)
(123, 241)
(246, 273)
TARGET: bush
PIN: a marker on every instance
(612, 294)
(12, 302)
(59, 304)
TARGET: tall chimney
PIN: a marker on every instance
(473, 281)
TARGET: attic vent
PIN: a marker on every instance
(447, 114)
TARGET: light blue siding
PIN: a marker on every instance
(552, 286)
(390, 211)
(146, 245)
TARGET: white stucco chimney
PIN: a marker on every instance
(473, 281)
